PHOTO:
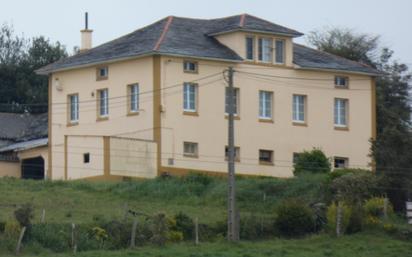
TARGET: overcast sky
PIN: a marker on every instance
(62, 20)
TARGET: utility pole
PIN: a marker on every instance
(232, 233)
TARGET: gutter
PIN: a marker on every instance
(151, 53)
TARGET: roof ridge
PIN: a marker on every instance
(162, 36)
(337, 56)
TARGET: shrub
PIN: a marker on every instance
(354, 188)
(185, 225)
(12, 229)
(24, 214)
(55, 237)
(159, 228)
(175, 236)
(253, 227)
(294, 218)
(356, 220)
(313, 161)
(331, 217)
(375, 207)
(118, 234)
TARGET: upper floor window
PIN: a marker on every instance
(341, 82)
(250, 48)
(190, 66)
(134, 98)
(86, 158)
(299, 108)
(341, 112)
(102, 73)
(265, 104)
(190, 97)
(265, 49)
(280, 51)
(236, 101)
(74, 108)
(103, 102)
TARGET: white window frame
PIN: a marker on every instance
(299, 108)
(339, 80)
(265, 105)
(186, 66)
(134, 91)
(190, 97)
(192, 146)
(103, 102)
(283, 51)
(74, 108)
(341, 113)
(346, 162)
(265, 52)
(237, 95)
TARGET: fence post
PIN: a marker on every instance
(409, 212)
(74, 245)
(339, 219)
(196, 231)
(126, 211)
(385, 208)
(18, 247)
(133, 236)
(43, 216)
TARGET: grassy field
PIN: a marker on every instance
(359, 245)
(205, 198)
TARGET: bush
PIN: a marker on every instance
(331, 217)
(118, 234)
(159, 227)
(253, 227)
(55, 237)
(294, 218)
(313, 161)
(24, 214)
(354, 188)
(12, 229)
(175, 236)
(375, 207)
(185, 225)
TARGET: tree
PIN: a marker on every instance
(314, 161)
(20, 88)
(394, 139)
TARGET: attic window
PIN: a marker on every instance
(341, 82)
(102, 73)
(190, 66)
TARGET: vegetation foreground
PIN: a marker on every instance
(360, 245)
(278, 217)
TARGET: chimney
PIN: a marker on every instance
(86, 35)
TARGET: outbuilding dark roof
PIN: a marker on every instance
(17, 127)
(195, 38)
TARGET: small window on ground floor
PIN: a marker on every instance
(341, 162)
(266, 156)
(237, 153)
(86, 158)
(190, 149)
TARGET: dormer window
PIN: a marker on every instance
(190, 66)
(265, 49)
(341, 82)
(250, 48)
(280, 51)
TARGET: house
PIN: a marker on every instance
(153, 102)
(23, 145)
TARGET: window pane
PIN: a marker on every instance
(249, 48)
(340, 112)
(266, 50)
(265, 104)
(280, 51)
(189, 97)
(134, 98)
(104, 103)
(299, 108)
(260, 47)
(265, 156)
(74, 108)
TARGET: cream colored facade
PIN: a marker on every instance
(161, 126)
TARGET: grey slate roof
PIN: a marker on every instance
(17, 127)
(194, 37)
(26, 145)
(310, 58)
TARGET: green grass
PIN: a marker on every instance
(80, 201)
(359, 245)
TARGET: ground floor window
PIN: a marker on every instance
(266, 156)
(190, 149)
(341, 162)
